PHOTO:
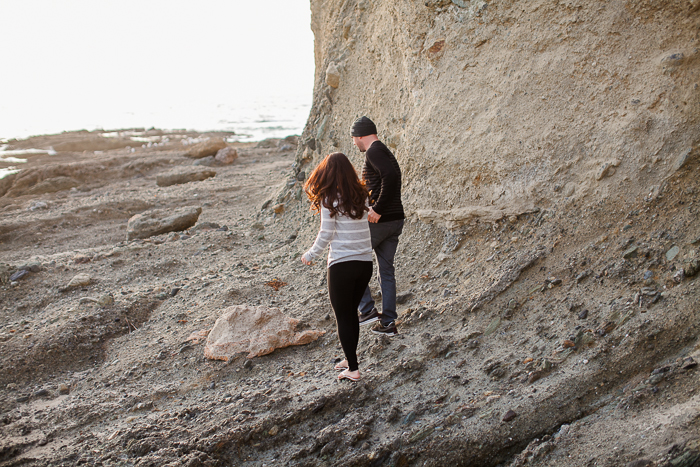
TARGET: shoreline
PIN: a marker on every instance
(18, 154)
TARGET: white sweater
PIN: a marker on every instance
(349, 239)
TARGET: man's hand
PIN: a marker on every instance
(372, 216)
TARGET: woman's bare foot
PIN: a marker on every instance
(351, 375)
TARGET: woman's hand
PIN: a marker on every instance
(305, 261)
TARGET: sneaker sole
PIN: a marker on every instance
(369, 321)
(389, 334)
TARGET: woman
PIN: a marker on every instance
(335, 191)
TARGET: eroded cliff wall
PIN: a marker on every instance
(494, 108)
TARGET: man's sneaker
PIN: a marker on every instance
(370, 317)
(389, 330)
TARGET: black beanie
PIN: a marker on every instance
(363, 126)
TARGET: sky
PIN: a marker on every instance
(74, 64)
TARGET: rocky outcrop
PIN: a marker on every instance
(497, 105)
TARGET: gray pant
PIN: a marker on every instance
(385, 240)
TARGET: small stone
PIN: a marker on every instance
(568, 344)
(583, 275)
(492, 326)
(689, 363)
(248, 364)
(509, 415)
(472, 343)
(23, 398)
(679, 276)
(80, 280)
(18, 275)
(691, 268)
(278, 208)
(274, 430)
(583, 314)
(301, 176)
(648, 275)
(212, 385)
(41, 393)
(672, 253)
(105, 300)
(174, 291)
(63, 389)
(11, 387)
(630, 253)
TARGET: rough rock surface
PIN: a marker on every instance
(255, 330)
(184, 175)
(550, 164)
(160, 221)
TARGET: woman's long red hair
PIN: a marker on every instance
(334, 185)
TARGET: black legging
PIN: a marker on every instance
(347, 282)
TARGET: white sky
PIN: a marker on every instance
(63, 59)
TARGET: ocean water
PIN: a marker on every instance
(252, 118)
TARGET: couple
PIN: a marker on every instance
(354, 227)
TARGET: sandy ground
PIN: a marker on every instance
(496, 362)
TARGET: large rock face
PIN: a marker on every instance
(510, 104)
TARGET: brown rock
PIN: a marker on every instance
(184, 175)
(227, 155)
(256, 330)
(508, 416)
(160, 221)
(206, 148)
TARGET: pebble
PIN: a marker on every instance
(583, 314)
(509, 415)
(630, 253)
(19, 274)
(672, 253)
(63, 389)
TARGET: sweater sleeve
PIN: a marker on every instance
(325, 234)
(389, 178)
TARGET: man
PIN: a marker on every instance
(382, 176)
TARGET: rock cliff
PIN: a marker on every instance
(494, 108)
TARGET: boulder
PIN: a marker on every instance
(160, 221)
(255, 330)
(182, 175)
(206, 148)
(226, 155)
